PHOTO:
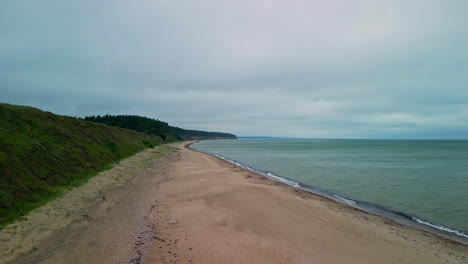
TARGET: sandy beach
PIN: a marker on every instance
(190, 207)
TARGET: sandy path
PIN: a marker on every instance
(189, 207)
(102, 221)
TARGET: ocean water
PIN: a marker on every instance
(426, 180)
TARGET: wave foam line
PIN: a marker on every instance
(283, 180)
(348, 201)
(443, 228)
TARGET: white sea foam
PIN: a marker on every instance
(283, 180)
(443, 228)
(348, 201)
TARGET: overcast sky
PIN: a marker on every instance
(300, 68)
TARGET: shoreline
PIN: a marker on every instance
(219, 212)
(409, 220)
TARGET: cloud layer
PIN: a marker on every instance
(335, 68)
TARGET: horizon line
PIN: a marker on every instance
(318, 138)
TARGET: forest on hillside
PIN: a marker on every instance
(156, 127)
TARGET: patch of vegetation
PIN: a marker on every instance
(149, 144)
(43, 154)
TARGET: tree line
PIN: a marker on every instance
(156, 127)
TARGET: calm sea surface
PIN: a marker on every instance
(423, 178)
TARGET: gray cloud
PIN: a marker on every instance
(333, 68)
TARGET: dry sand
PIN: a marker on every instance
(96, 223)
(189, 207)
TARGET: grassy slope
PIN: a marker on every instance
(42, 154)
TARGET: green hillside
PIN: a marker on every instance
(42, 154)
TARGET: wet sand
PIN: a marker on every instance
(189, 207)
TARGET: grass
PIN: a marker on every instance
(43, 154)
